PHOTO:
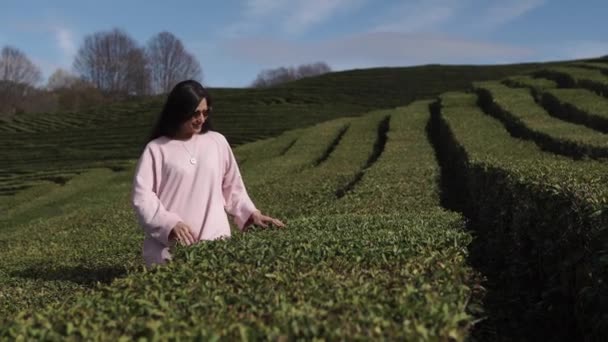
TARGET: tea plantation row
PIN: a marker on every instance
(341, 269)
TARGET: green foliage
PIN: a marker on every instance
(579, 106)
(313, 190)
(266, 148)
(294, 154)
(405, 176)
(338, 271)
(536, 85)
(540, 218)
(526, 81)
(369, 252)
(573, 77)
(524, 118)
(58, 241)
(603, 67)
(104, 136)
(354, 277)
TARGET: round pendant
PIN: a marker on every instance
(193, 161)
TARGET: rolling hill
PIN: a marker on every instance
(53, 147)
(476, 212)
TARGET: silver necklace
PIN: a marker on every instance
(192, 159)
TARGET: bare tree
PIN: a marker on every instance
(138, 74)
(314, 69)
(73, 92)
(61, 79)
(18, 76)
(113, 62)
(170, 63)
(16, 67)
(271, 77)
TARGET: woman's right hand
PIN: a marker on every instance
(182, 234)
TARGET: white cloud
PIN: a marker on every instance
(59, 37)
(299, 16)
(65, 41)
(63, 38)
(374, 49)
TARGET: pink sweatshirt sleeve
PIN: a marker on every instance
(151, 213)
(236, 200)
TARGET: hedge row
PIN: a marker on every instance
(404, 178)
(56, 241)
(266, 148)
(313, 189)
(572, 77)
(540, 220)
(603, 67)
(335, 277)
(118, 131)
(32, 203)
(524, 118)
(536, 85)
(312, 146)
(579, 106)
(393, 276)
(575, 105)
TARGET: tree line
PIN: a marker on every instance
(111, 65)
(272, 77)
(108, 65)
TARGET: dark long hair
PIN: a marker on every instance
(179, 108)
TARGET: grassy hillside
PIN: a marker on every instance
(468, 215)
(327, 248)
(56, 146)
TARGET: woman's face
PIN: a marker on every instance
(195, 123)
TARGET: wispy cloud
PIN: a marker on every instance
(65, 41)
(508, 10)
(255, 14)
(421, 15)
(258, 8)
(63, 38)
(375, 49)
(308, 13)
(290, 16)
(296, 17)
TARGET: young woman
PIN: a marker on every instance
(187, 179)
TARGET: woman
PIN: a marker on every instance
(187, 179)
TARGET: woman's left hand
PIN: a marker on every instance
(259, 219)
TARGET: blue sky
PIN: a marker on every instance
(234, 40)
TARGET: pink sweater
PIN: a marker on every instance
(168, 188)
